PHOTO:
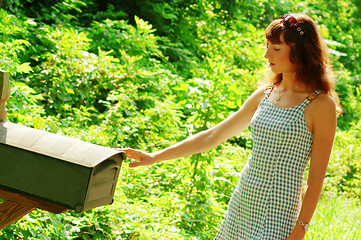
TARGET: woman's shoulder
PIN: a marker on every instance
(260, 93)
(255, 98)
(322, 105)
(262, 90)
(321, 98)
(320, 112)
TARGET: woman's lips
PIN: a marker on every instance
(271, 64)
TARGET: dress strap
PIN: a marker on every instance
(269, 89)
(314, 95)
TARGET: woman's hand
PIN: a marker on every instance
(143, 158)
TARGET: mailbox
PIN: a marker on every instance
(57, 169)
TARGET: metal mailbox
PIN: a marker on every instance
(57, 169)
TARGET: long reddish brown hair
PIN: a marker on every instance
(308, 52)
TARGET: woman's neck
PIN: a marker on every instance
(289, 81)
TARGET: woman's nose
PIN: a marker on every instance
(266, 54)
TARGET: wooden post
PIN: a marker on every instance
(11, 211)
(4, 94)
(17, 206)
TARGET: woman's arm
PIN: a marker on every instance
(323, 122)
(205, 140)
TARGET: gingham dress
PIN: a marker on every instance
(267, 199)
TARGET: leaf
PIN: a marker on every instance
(20, 42)
(337, 53)
(24, 68)
(334, 43)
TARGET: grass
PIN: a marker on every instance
(336, 218)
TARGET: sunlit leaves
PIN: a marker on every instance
(24, 68)
(11, 45)
(152, 76)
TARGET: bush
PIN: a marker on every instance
(147, 74)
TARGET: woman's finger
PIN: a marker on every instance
(132, 153)
(135, 164)
(142, 158)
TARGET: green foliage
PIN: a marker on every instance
(11, 44)
(93, 224)
(23, 104)
(71, 77)
(183, 203)
(350, 96)
(344, 173)
(136, 40)
(146, 74)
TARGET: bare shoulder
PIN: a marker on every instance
(257, 96)
(260, 92)
(323, 106)
(251, 104)
(321, 113)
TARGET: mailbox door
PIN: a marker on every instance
(102, 184)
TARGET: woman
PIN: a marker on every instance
(292, 120)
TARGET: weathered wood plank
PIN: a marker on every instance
(11, 211)
(34, 203)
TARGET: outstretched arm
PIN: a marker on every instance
(204, 140)
(323, 115)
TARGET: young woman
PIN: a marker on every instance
(292, 120)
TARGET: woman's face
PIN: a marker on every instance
(278, 56)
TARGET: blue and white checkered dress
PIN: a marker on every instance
(267, 199)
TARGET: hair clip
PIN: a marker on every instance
(291, 21)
